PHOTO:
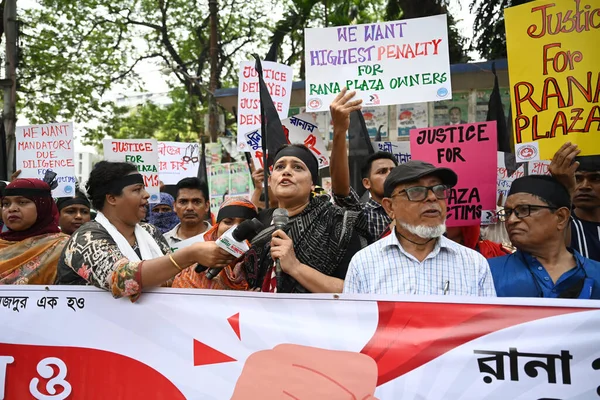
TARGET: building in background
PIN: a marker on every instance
(84, 163)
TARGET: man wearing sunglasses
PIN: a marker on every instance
(536, 215)
(416, 258)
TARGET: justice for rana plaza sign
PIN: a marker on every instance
(553, 65)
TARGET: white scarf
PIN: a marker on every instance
(146, 243)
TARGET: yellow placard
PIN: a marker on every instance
(554, 70)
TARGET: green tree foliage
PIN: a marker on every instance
(490, 33)
(300, 14)
(397, 9)
(314, 13)
(74, 52)
(174, 121)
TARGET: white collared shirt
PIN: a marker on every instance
(172, 237)
(386, 268)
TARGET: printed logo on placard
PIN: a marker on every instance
(154, 198)
(373, 100)
(68, 189)
(442, 92)
(528, 152)
(314, 103)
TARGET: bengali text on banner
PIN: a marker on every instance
(297, 129)
(177, 160)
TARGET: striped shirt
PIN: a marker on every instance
(377, 218)
(386, 268)
(585, 238)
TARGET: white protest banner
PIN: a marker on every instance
(400, 150)
(47, 147)
(387, 63)
(376, 121)
(412, 116)
(540, 167)
(80, 343)
(297, 129)
(278, 78)
(143, 153)
(504, 183)
(177, 161)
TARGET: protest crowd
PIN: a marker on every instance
(395, 242)
(398, 223)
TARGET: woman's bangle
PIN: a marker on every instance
(175, 263)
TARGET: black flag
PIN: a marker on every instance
(270, 126)
(360, 147)
(496, 113)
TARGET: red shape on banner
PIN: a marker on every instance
(409, 335)
(234, 322)
(206, 355)
(89, 374)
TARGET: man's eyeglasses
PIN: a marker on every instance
(419, 193)
(520, 211)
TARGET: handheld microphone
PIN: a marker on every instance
(234, 241)
(280, 220)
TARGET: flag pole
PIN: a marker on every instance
(263, 134)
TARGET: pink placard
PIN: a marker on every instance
(469, 150)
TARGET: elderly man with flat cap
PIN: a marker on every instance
(416, 258)
(537, 214)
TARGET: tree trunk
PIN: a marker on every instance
(9, 114)
(213, 6)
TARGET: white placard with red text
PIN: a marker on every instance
(177, 161)
(298, 129)
(80, 343)
(143, 153)
(278, 78)
(47, 147)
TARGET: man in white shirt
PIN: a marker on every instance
(416, 258)
(191, 206)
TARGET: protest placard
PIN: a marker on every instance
(177, 161)
(297, 129)
(411, 116)
(47, 147)
(228, 180)
(376, 121)
(553, 63)
(400, 150)
(143, 153)
(395, 62)
(470, 151)
(541, 167)
(504, 181)
(278, 78)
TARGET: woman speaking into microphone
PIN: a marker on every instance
(118, 252)
(320, 239)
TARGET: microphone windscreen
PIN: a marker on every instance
(247, 230)
(280, 218)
